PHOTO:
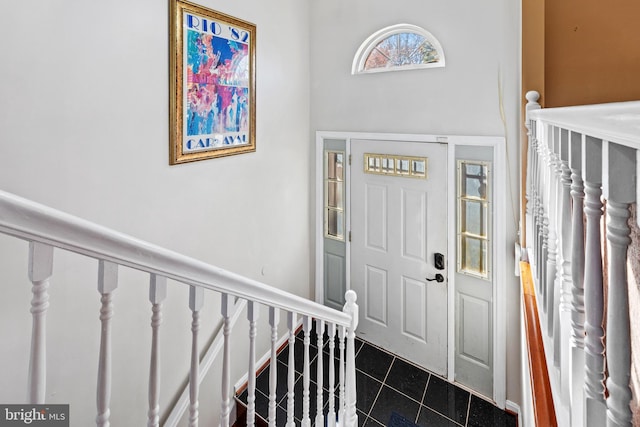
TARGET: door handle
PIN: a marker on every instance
(439, 278)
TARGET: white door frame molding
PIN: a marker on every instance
(499, 248)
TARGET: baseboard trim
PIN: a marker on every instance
(515, 408)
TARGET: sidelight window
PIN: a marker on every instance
(334, 189)
(474, 217)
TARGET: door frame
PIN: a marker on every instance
(500, 257)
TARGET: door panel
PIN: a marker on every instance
(474, 345)
(414, 225)
(334, 273)
(376, 217)
(376, 295)
(398, 223)
(474, 336)
(414, 309)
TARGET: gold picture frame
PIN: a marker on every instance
(212, 84)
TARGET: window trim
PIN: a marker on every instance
(372, 41)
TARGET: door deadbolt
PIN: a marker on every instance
(439, 278)
(438, 261)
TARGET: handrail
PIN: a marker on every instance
(543, 408)
(616, 121)
(32, 221)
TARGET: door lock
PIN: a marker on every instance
(439, 278)
(438, 261)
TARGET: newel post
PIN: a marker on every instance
(351, 308)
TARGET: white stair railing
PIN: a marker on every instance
(196, 300)
(107, 283)
(48, 229)
(571, 152)
(274, 318)
(40, 269)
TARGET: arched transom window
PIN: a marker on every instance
(398, 47)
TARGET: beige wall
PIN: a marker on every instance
(581, 51)
(592, 52)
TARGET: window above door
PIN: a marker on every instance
(398, 47)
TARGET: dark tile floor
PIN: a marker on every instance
(385, 384)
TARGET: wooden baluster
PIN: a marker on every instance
(107, 283)
(157, 294)
(274, 318)
(533, 205)
(306, 401)
(541, 249)
(351, 308)
(252, 316)
(331, 414)
(532, 104)
(565, 296)
(595, 409)
(621, 192)
(577, 279)
(291, 374)
(536, 203)
(541, 225)
(544, 253)
(341, 411)
(552, 248)
(319, 373)
(39, 271)
(557, 284)
(226, 311)
(196, 300)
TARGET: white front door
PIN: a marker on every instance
(398, 225)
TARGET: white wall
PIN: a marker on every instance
(480, 40)
(84, 128)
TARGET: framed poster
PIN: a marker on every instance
(212, 84)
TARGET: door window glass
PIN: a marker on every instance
(393, 165)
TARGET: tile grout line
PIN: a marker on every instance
(466, 421)
(424, 393)
(379, 390)
(438, 412)
(421, 404)
(405, 395)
